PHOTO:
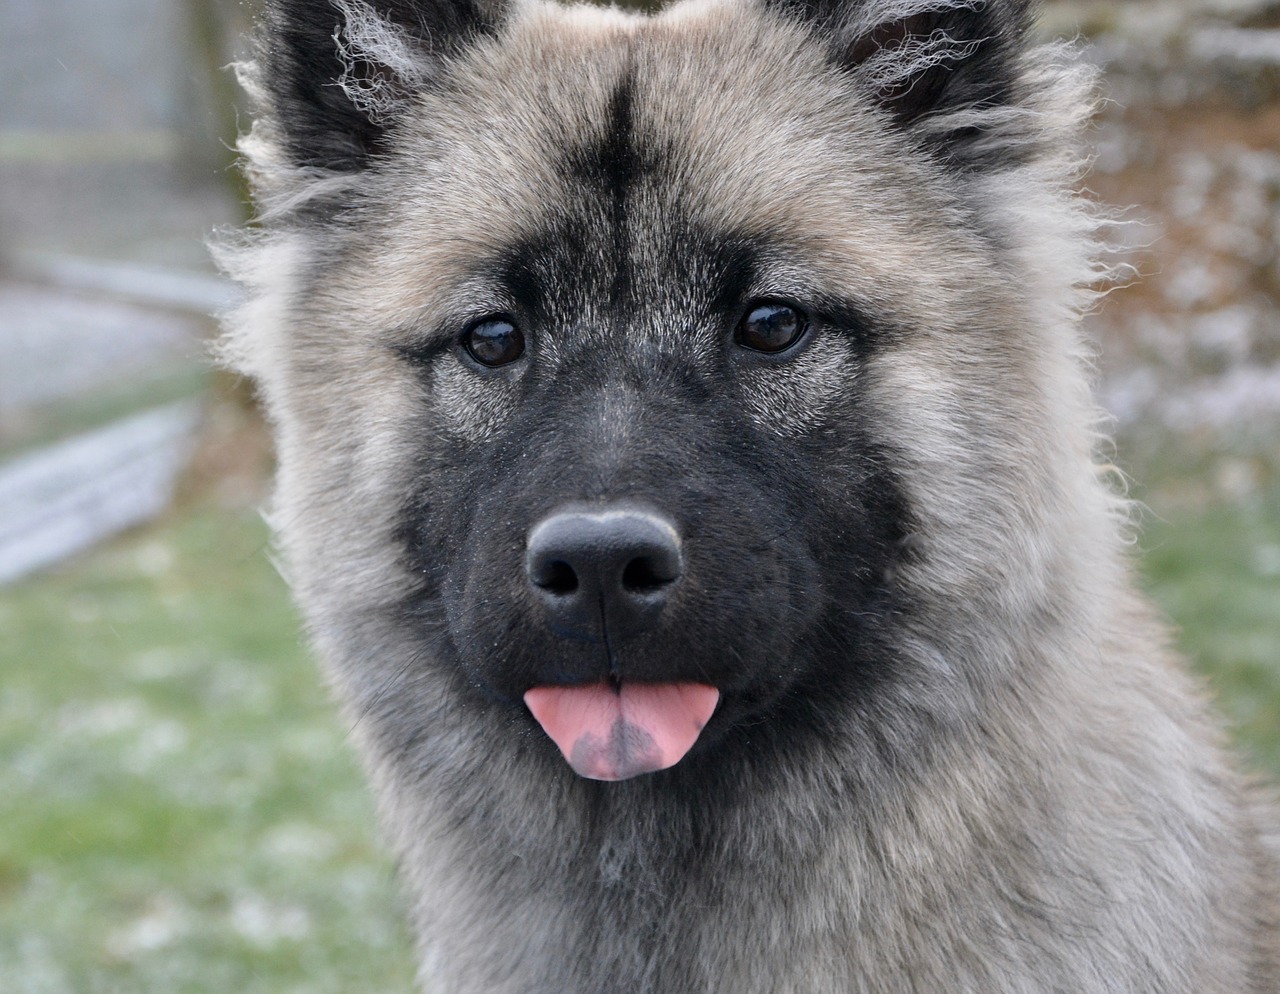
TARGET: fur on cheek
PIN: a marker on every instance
(792, 398)
(473, 408)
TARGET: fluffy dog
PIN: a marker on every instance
(687, 475)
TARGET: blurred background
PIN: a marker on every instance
(178, 808)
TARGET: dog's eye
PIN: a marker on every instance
(493, 342)
(770, 326)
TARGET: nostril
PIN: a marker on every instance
(557, 577)
(645, 574)
(606, 572)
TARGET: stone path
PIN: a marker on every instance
(67, 497)
(55, 343)
(84, 327)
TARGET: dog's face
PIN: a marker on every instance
(645, 326)
(626, 360)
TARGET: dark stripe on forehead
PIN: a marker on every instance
(612, 159)
(608, 167)
(614, 163)
(585, 250)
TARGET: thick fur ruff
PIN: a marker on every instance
(952, 751)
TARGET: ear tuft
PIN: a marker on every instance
(923, 60)
(382, 64)
(334, 75)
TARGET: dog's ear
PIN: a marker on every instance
(937, 66)
(334, 74)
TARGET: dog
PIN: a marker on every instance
(688, 474)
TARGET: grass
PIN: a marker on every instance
(178, 809)
(1216, 572)
(180, 813)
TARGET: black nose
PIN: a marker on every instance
(603, 573)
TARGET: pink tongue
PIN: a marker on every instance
(609, 733)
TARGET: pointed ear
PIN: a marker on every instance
(923, 60)
(334, 74)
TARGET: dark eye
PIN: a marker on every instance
(493, 342)
(770, 326)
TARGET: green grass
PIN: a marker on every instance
(1216, 572)
(180, 813)
(178, 809)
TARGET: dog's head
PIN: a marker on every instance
(628, 369)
